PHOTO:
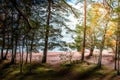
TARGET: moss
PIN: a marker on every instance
(66, 71)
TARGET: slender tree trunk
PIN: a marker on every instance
(16, 41)
(118, 42)
(118, 60)
(3, 43)
(44, 59)
(115, 67)
(3, 38)
(26, 60)
(16, 38)
(31, 52)
(5, 57)
(12, 54)
(100, 58)
(102, 47)
(118, 53)
(84, 41)
(12, 40)
(118, 64)
(20, 58)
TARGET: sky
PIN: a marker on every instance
(72, 1)
(74, 21)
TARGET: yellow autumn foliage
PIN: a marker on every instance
(111, 30)
(98, 13)
(113, 42)
(109, 33)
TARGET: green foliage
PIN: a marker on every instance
(78, 38)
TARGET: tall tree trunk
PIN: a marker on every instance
(118, 64)
(5, 57)
(3, 43)
(44, 59)
(118, 52)
(115, 67)
(26, 60)
(12, 39)
(102, 47)
(20, 58)
(12, 44)
(16, 40)
(118, 42)
(3, 36)
(84, 38)
(31, 48)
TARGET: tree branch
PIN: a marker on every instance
(20, 12)
(71, 9)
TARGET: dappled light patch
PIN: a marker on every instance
(42, 69)
(15, 72)
(66, 71)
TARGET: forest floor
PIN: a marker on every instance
(66, 71)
